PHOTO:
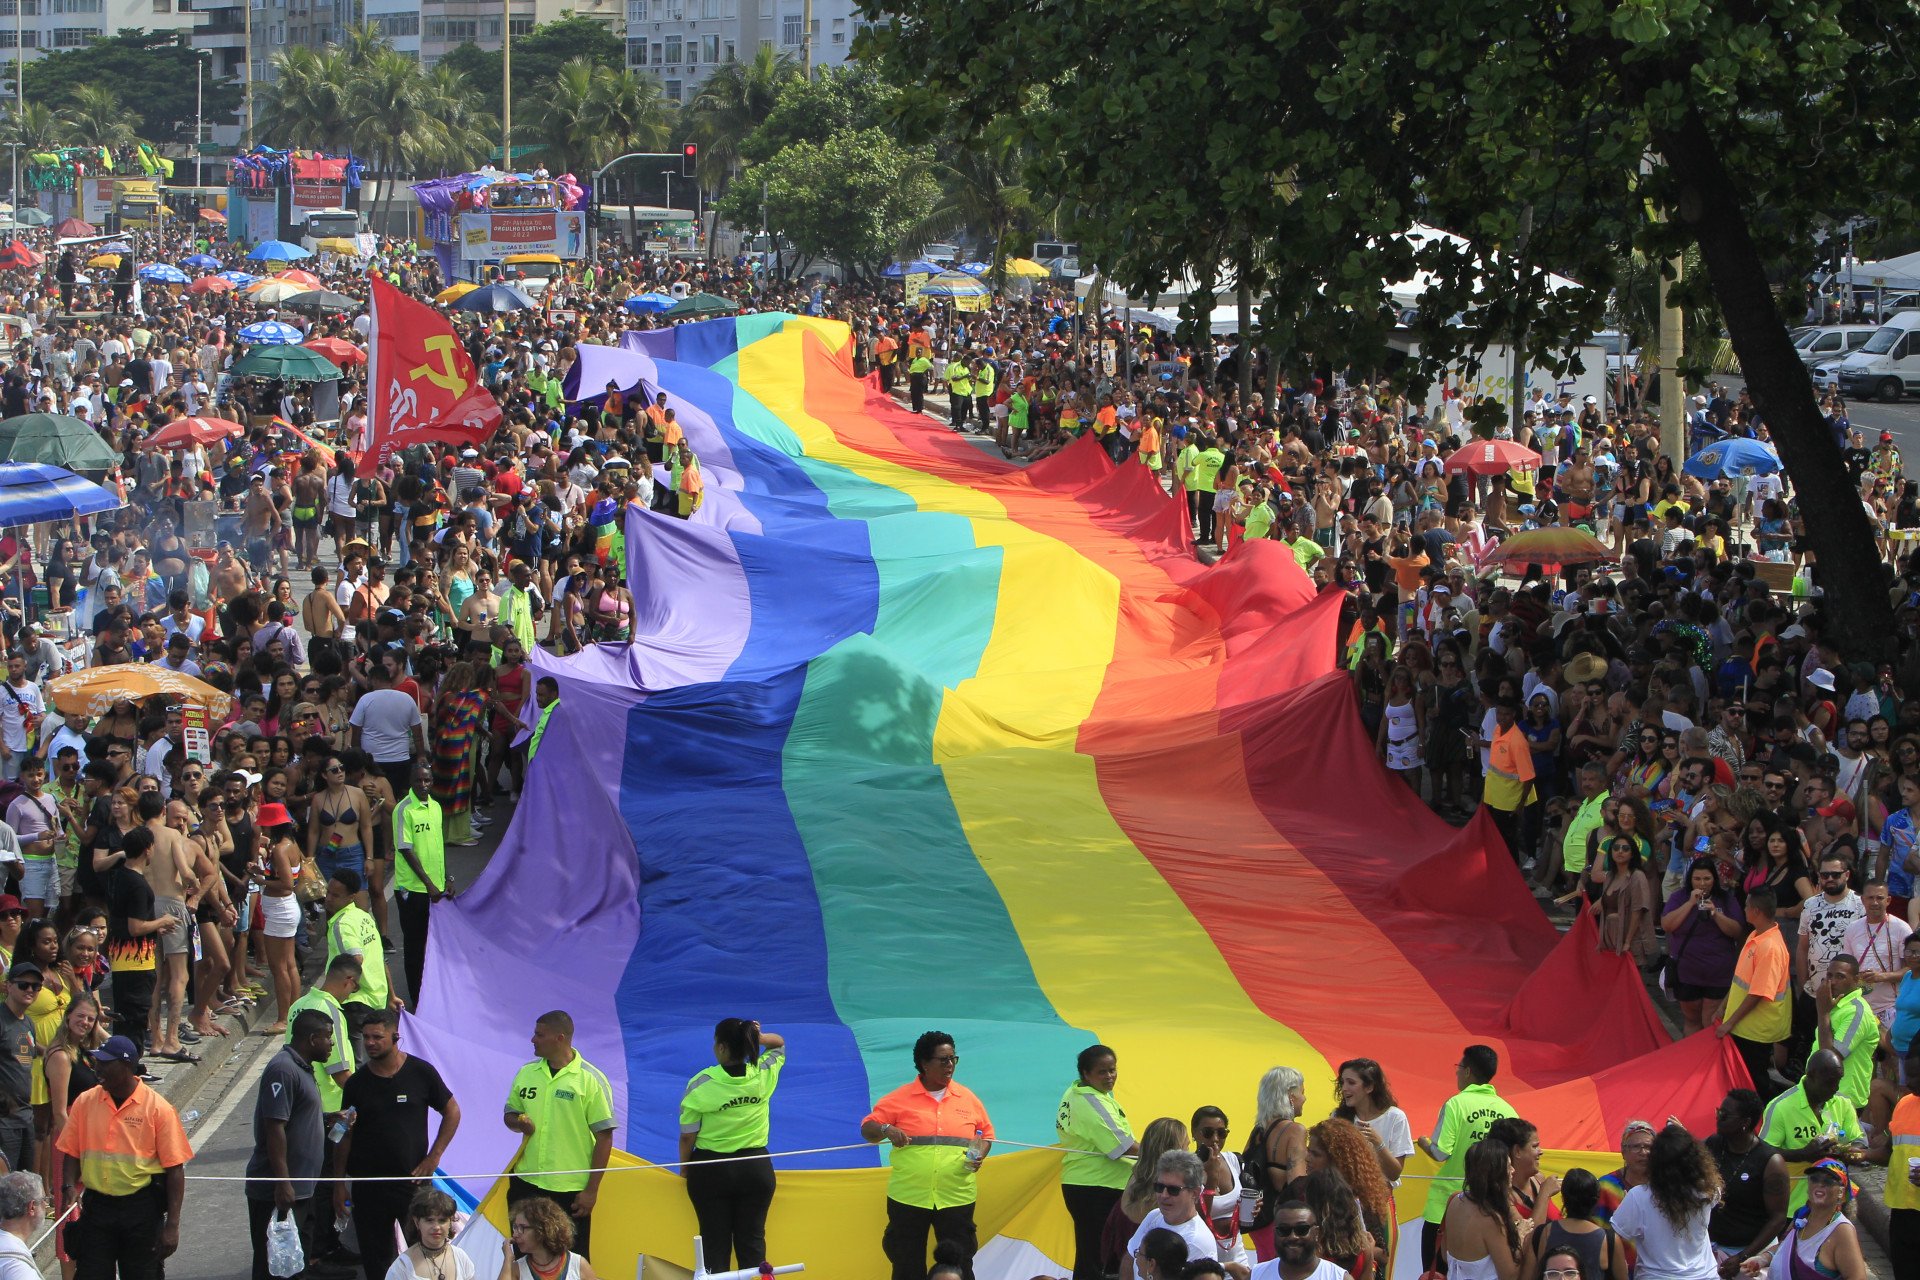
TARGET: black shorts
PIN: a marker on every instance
(1687, 991)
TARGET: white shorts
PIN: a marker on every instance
(282, 916)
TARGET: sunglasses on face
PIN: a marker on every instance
(1301, 1229)
(1169, 1188)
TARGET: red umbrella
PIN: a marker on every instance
(73, 227)
(296, 276)
(213, 215)
(1492, 458)
(338, 350)
(191, 431)
(210, 284)
(1552, 549)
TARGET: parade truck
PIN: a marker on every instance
(487, 222)
(302, 197)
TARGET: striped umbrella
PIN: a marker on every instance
(953, 284)
(31, 492)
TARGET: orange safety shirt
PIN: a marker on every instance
(122, 1147)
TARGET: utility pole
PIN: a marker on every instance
(1673, 393)
(506, 85)
(200, 57)
(246, 7)
(806, 39)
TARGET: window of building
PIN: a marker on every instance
(766, 10)
(673, 51)
(839, 30)
(72, 37)
(490, 28)
(729, 48)
(709, 8)
(636, 11)
(671, 90)
(90, 6)
(693, 51)
(790, 29)
(657, 60)
(393, 25)
(31, 8)
(676, 10)
(710, 49)
(520, 26)
(636, 53)
(163, 6)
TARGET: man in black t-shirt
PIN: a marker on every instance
(132, 926)
(391, 1096)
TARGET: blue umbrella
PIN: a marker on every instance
(919, 266)
(642, 304)
(31, 492)
(278, 251)
(494, 298)
(200, 261)
(238, 279)
(975, 268)
(271, 333)
(117, 246)
(161, 273)
(1735, 457)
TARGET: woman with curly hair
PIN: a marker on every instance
(1343, 1146)
(1533, 1191)
(1344, 1238)
(1482, 1240)
(1665, 1218)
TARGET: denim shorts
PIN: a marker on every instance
(347, 857)
(41, 880)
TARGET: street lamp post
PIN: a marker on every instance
(199, 129)
(668, 175)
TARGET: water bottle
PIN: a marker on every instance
(977, 1149)
(341, 1124)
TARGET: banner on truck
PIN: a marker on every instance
(498, 232)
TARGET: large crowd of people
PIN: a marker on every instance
(1669, 739)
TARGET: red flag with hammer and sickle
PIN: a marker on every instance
(421, 384)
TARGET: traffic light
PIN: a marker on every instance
(689, 159)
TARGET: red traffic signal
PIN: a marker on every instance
(689, 159)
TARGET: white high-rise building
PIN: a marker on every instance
(34, 28)
(682, 41)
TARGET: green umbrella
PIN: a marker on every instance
(57, 439)
(700, 304)
(290, 361)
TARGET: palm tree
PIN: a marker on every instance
(732, 103)
(393, 121)
(591, 113)
(634, 113)
(463, 132)
(95, 118)
(34, 127)
(980, 189)
(310, 101)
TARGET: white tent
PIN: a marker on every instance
(1902, 272)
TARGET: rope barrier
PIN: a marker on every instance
(54, 1226)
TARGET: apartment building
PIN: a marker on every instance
(682, 41)
(31, 28)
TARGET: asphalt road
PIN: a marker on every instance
(1872, 417)
(219, 1122)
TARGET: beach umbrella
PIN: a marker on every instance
(238, 279)
(213, 215)
(290, 361)
(268, 333)
(919, 266)
(701, 304)
(1029, 268)
(952, 284)
(161, 273)
(1492, 458)
(317, 300)
(277, 251)
(210, 284)
(1552, 549)
(975, 268)
(294, 275)
(116, 246)
(274, 291)
(338, 350)
(104, 260)
(495, 298)
(32, 217)
(17, 257)
(191, 431)
(74, 227)
(94, 691)
(55, 439)
(200, 261)
(1735, 457)
(455, 291)
(643, 304)
(32, 492)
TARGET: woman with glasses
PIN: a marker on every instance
(339, 823)
(1823, 1242)
(1665, 1218)
(1092, 1129)
(1644, 767)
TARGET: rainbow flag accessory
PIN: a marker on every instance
(914, 737)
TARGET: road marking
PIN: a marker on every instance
(236, 1090)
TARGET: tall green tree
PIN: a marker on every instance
(733, 102)
(589, 114)
(311, 101)
(95, 116)
(151, 72)
(853, 198)
(982, 188)
(1298, 144)
(537, 59)
(836, 100)
(34, 128)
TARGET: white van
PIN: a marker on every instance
(1828, 343)
(1887, 367)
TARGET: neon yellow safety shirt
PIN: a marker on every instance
(984, 380)
(1790, 1122)
(570, 1108)
(1905, 1132)
(1464, 1120)
(960, 380)
(342, 1059)
(1856, 1035)
(931, 1171)
(420, 824)
(731, 1112)
(540, 730)
(351, 931)
(1095, 1134)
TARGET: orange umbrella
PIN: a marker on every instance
(93, 692)
(297, 276)
(190, 431)
(213, 215)
(338, 350)
(210, 284)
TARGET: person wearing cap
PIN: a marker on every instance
(1822, 1241)
(289, 1134)
(127, 1149)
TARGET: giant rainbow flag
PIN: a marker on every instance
(913, 737)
